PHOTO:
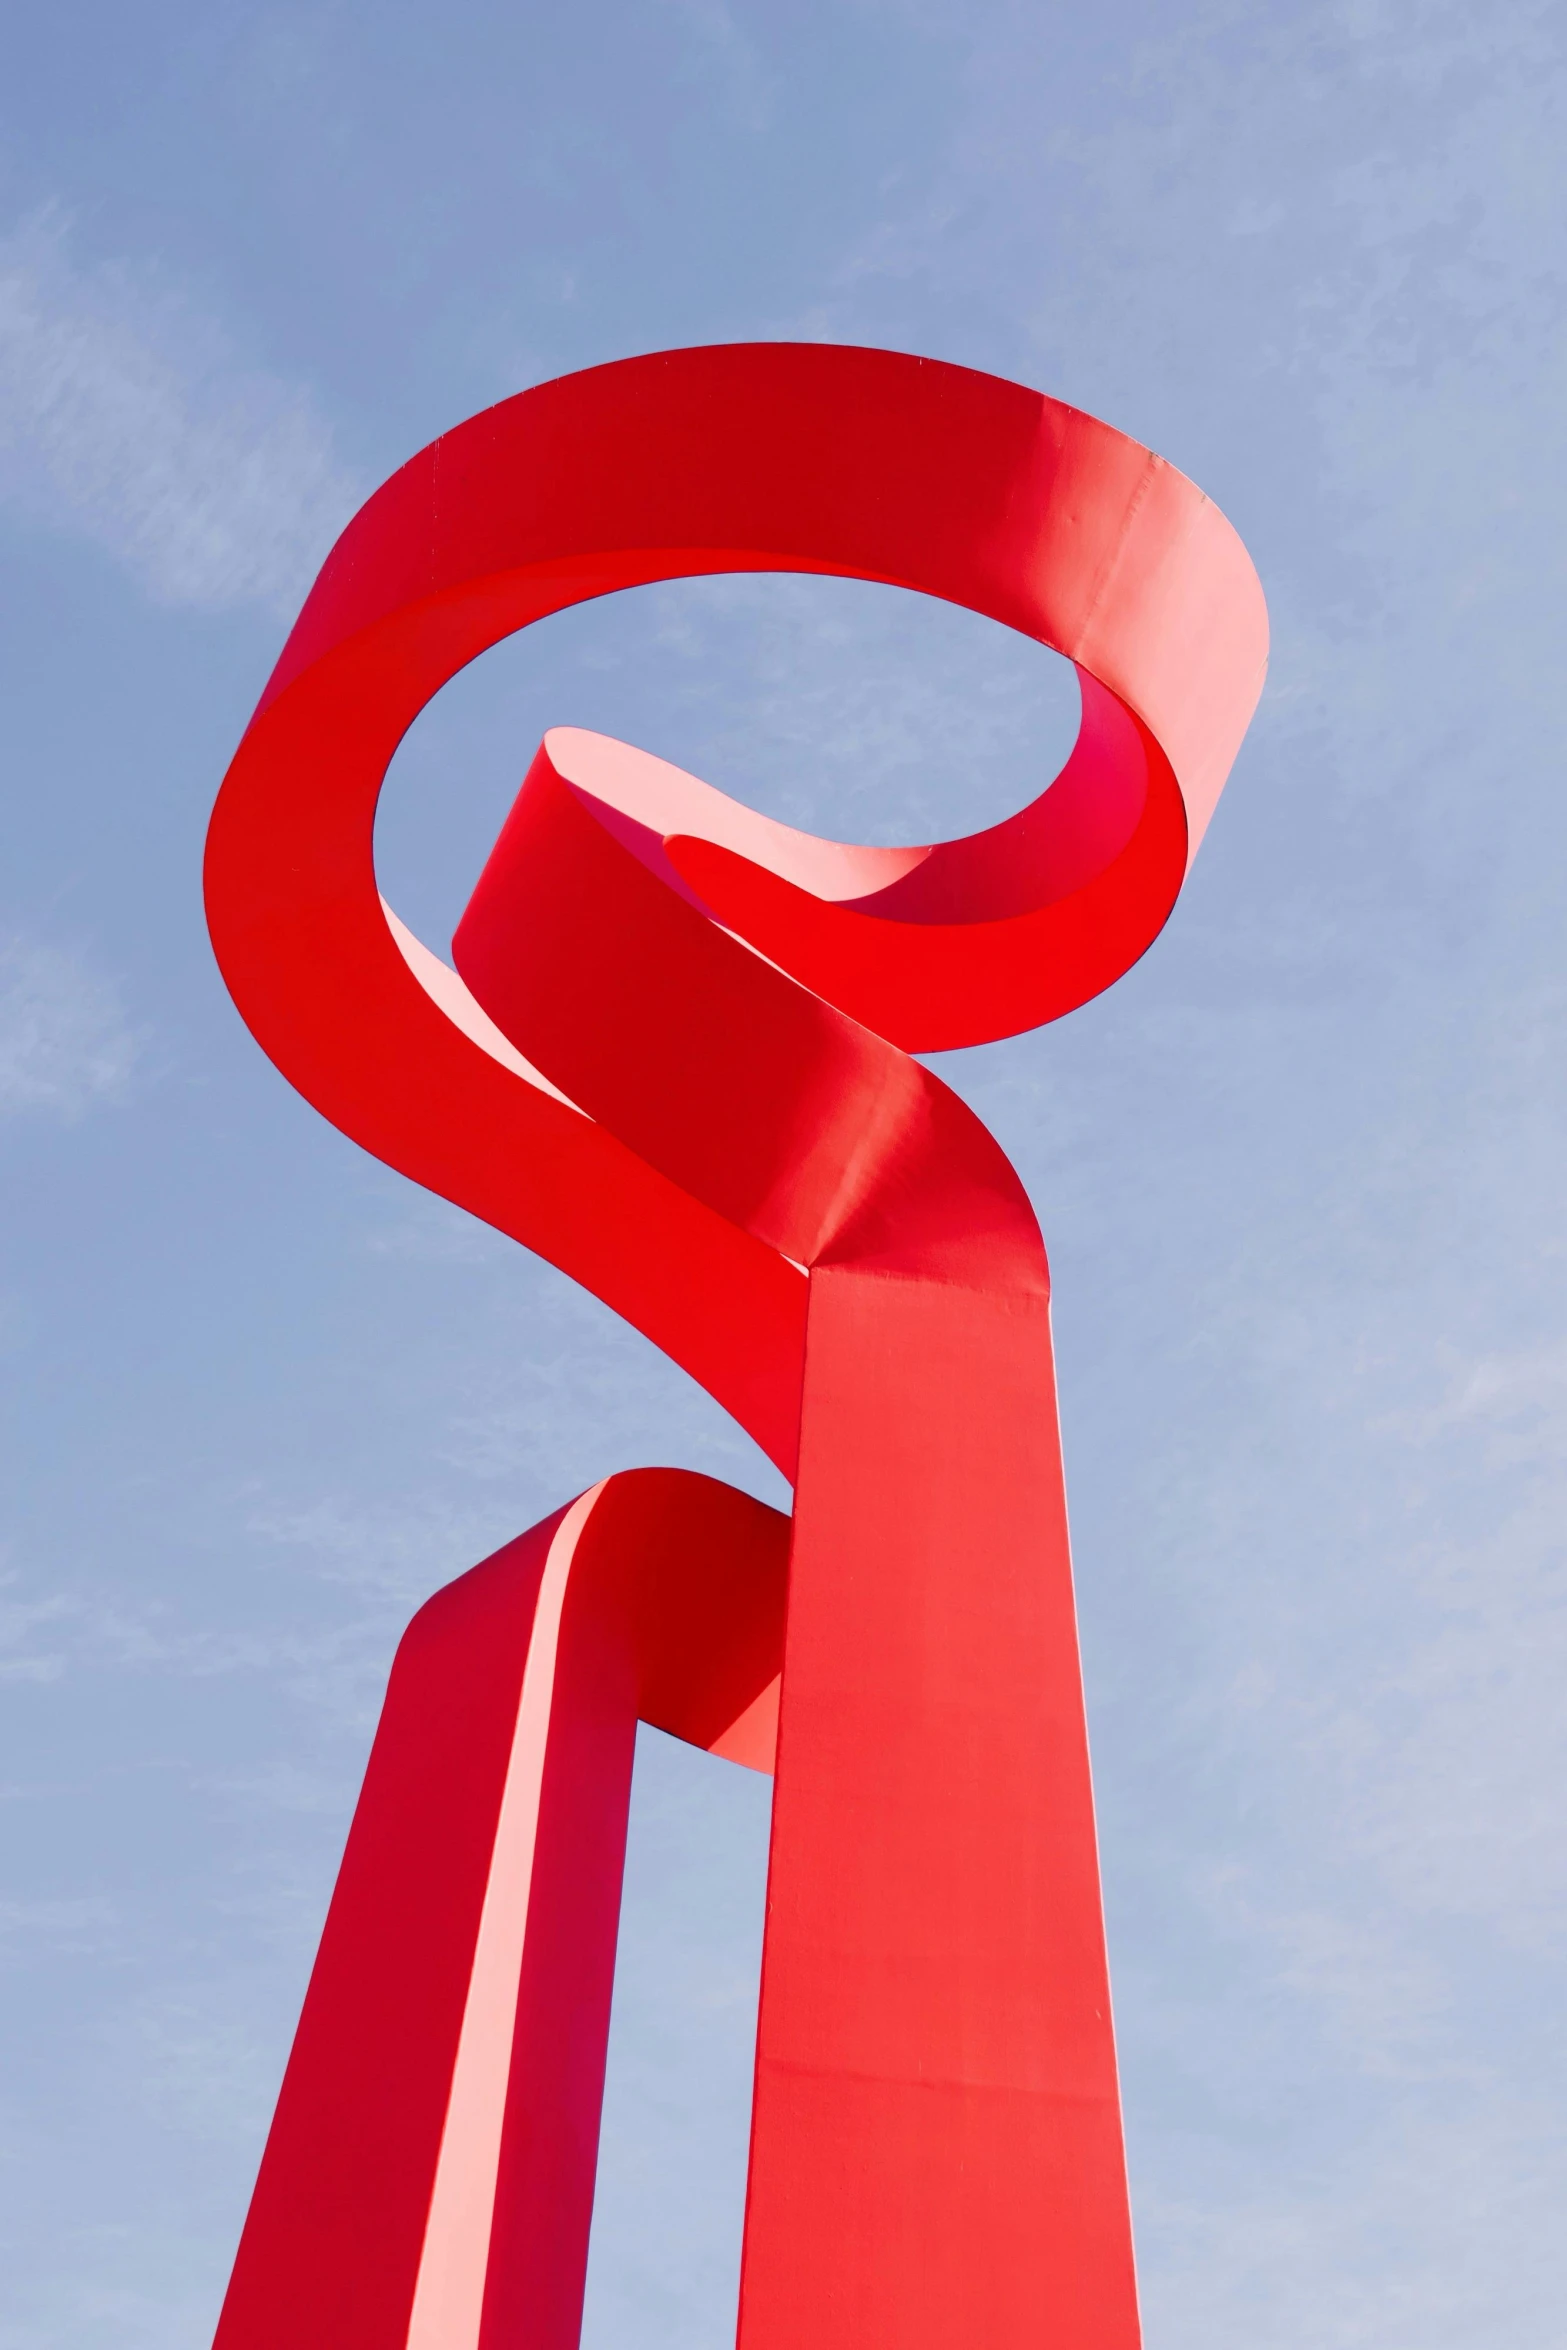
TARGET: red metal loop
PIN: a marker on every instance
(674, 1058)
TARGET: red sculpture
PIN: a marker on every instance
(674, 1058)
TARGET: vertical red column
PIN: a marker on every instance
(936, 2154)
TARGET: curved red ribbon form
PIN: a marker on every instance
(674, 1058)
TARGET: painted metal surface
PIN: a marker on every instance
(674, 1057)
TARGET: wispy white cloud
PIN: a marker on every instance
(80, 1922)
(392, 1555)
(65, 1041)
(1458, 1754)
(124, 417)
(1380, 2000)
(732, 58)
(199, 2062)
(24, 1655)
(1338, 2264)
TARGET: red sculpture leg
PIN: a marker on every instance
(936, 2154)
(428, 2179)
(674, 1056)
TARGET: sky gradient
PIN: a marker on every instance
(1300, 1174)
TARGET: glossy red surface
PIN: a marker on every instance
(673, 1057)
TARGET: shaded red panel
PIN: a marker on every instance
(674, 1058)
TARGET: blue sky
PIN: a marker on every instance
(1300, 1175)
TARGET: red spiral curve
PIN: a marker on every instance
(674, 1058)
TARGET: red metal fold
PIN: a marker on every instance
(673, 1057)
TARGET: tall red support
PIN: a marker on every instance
(674, 1058)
